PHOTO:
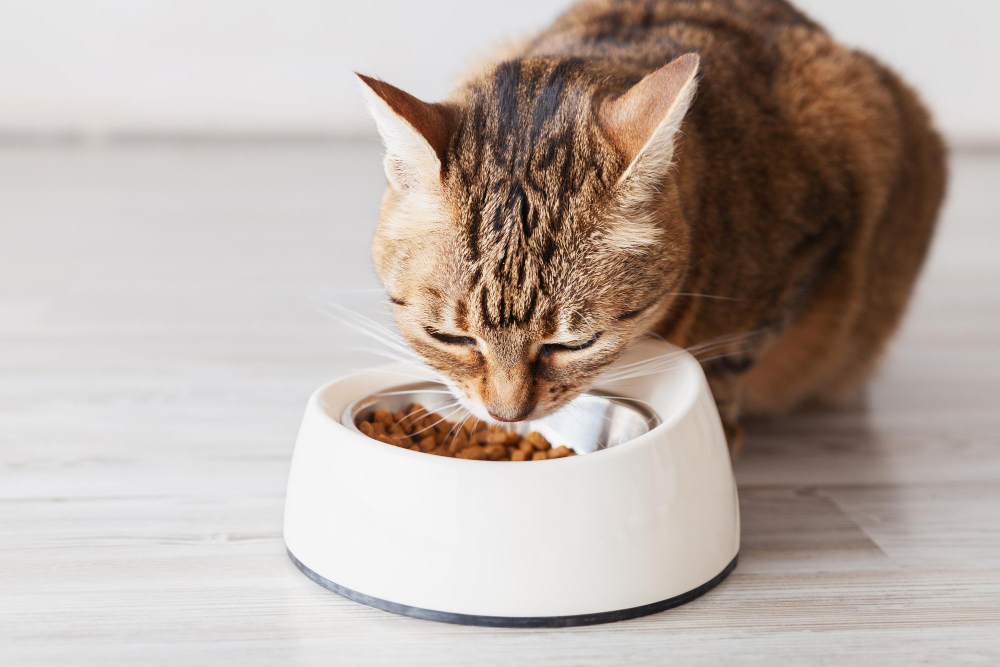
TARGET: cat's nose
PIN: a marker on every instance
(525, 411)
(509, 395)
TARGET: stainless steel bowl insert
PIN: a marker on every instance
(590, 422)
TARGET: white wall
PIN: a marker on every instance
(283, 66)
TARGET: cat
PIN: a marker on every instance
(709, 171)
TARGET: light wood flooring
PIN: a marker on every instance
(160, 331)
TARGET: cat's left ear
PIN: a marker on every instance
(643, 122)
(415, 133)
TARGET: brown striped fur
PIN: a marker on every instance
(556, 195)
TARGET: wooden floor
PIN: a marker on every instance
(160, 330)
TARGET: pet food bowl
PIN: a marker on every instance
(644, 519)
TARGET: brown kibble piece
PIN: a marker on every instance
(414, 413)
(366, 428)
(559, 452)
(539, 456)
(383, 416)
(378, 428)
(499, 437)
(475, 452)
(538, 440)
(495, 451)
(458, 443)
(518, 455)
(427, 444)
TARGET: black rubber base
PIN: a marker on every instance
(516, 621)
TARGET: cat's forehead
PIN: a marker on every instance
(523, 99)
(526, 172)
(526, 166)
(527, 130)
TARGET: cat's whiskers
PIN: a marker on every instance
(393, 371)
(393, 346)
(369, 327)
(616, 371)
(416, 363)
(430, 410)
(630, 399)
(346, 314)
(430, 374)
(474, 426)
(580, 407)
(457, 425)
(586, 320)
(355, 290)
(422, 391)
(642, 362)
(601, 445)
(445, 418)
(664, 362)
(706, 296)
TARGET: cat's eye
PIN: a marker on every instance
(450, 339)
(549, 348)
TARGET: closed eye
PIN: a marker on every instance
(549, 348)
(450, 339)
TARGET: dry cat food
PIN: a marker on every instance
(422, 431)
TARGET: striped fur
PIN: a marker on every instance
(601, 180)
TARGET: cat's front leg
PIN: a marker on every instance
(726, 377)
(734, 438)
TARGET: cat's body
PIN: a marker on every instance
(787, 219)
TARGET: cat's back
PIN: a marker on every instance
(644, 31)
(776, 92)
(761, 60)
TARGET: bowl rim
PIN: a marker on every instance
(396, 370)
(642, 408)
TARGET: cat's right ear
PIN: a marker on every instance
(415, 133)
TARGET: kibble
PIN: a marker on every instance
(421, 431)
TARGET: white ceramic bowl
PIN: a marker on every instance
(639, 526)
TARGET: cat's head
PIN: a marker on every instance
(531, 227)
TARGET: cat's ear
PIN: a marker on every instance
(415, 133)
(643, 122)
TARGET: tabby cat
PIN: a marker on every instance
(707, 170)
